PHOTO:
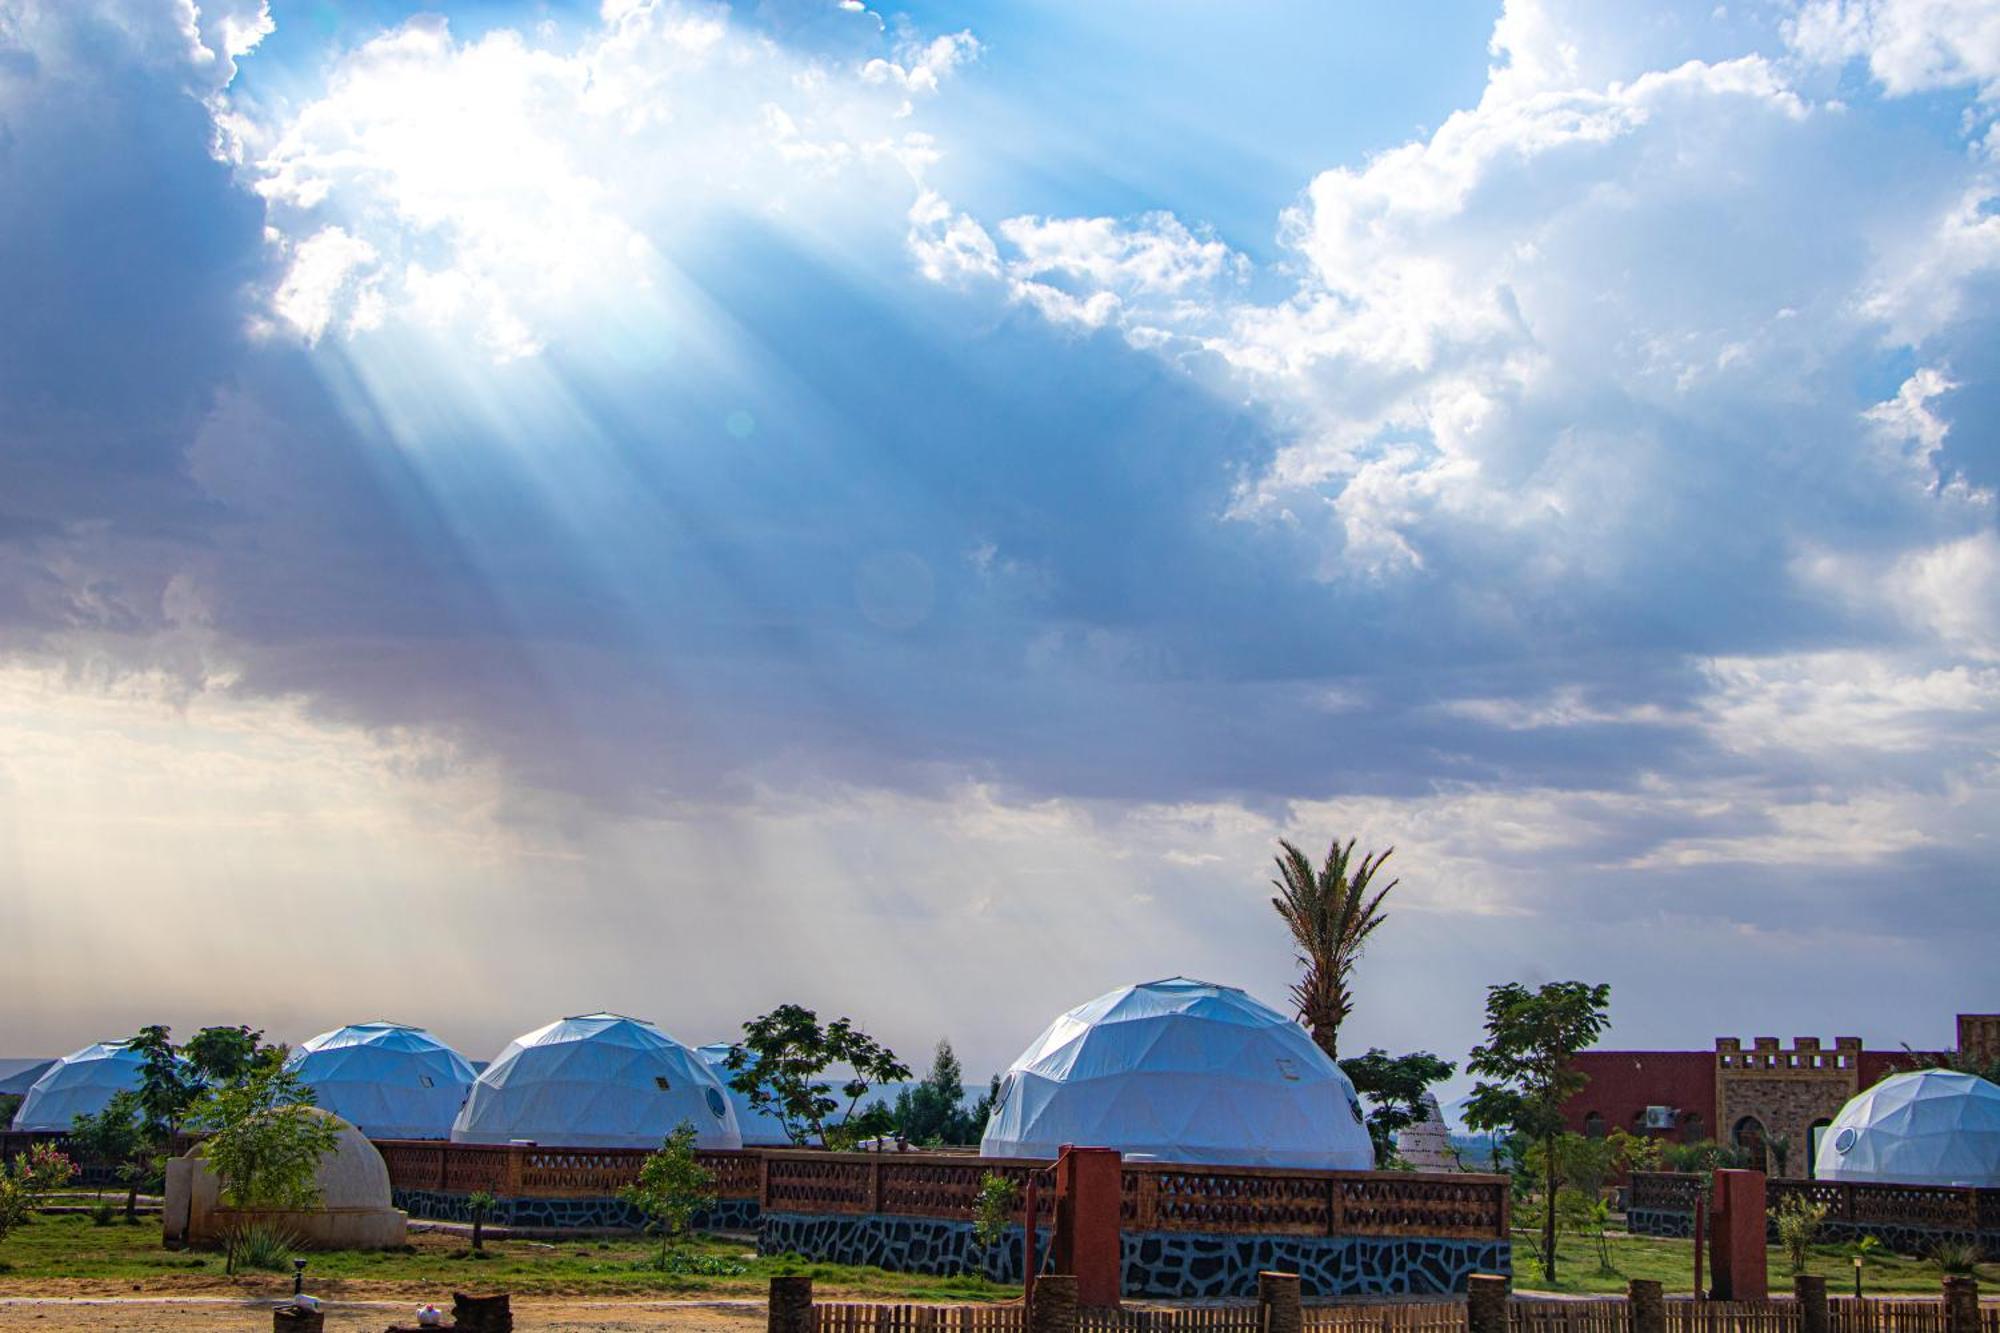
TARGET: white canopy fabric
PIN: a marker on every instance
(81, 1083)
(1181, 1071)
(388, 1080)
(596, 1081)
(760, 1128)
(1927, 1127)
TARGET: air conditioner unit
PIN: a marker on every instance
(1659, 1117)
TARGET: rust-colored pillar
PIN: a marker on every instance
(791, 1305)
(1053, 1309)
(1279, 1309)
(1961, 1305)
(1810, 1294)
(1486, 1303)
(1647, 1304)
(1086, 1245)
(1736, 1244)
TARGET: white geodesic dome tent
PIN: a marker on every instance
(81, 1083)
(596, 1081)
(760, 1129)
(1180, 1071)
(1926, 1127)
(388, 1080)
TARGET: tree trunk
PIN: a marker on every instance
(132, 1200)
(1549, 1215)
(478, 1222)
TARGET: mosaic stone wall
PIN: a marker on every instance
(1175, 1264)
(555, 1214)
(1899, 1239)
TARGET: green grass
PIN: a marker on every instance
(69, 1253)
(1671, 1262)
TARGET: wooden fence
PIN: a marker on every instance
(1932, 1207)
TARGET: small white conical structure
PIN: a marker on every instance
(1180, 1071)
(388, 1080)
(1927, 1127)
(81, 1083)
(760, 1129)
(596, 1081)
(1426, 1145)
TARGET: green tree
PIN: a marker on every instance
(117, 1136)
(993, 1210)
(35, 1172)
(1798, 1223)
(1526, 1068)
(168, 1087)
(933, 1112)
(1330, 914)
(672, 1188)
(1394, 1086)
(778, 1067)
(265, 1141)
(221, 1056)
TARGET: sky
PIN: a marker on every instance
(517, 509)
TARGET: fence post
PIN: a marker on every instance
(1810, 1294)
(1279, 1309)
(791, 1305)
(1053, 1307)
(1486, 1303)
(1647, 1304)
(1961, 1305)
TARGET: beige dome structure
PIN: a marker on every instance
(353, 1212)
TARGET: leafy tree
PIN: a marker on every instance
(672, 1188)
(10, 1102)
(1331, 915)
(264, 1143)
(994, 1208)
(168, 1088)
(982, 1110)
(117, 1136)
(779, 1064)
(1394, 1086)
(933, 1112)
(1527, 1071)
(221, 1056)
(37, 1171)
(1798, 1223)
(1961, 1062)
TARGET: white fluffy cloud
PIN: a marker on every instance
(1910, 46)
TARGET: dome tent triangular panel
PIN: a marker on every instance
(596, 1081)
(81, 1083)
(760, 1129)
(1925, 1127)
(1180, 1071)
(389, 1080)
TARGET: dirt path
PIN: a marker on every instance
(23, 1314)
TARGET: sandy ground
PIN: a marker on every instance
(18, 1314)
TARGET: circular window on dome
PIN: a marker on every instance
(1843, 1141)
(715, 1106)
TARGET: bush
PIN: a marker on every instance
(1956, 1256)
(102, 1214)
(264, 1247)
(1798, 1227)
(687, 1264)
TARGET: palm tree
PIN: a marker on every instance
(1330, 916)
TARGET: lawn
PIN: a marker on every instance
(1672, 1263)
(68, 1255)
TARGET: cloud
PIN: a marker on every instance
(1910, 46)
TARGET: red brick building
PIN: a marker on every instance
(1770, 1100)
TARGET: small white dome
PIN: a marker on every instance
(596, 1081)
(760, 1129)
(81, 1083)
(389, 1080)
(1181, 1071)
(1927, 1127)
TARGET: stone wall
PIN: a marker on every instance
(1184, 1265)
(1785, 1090)
(1900, 1239)
(610, 1214)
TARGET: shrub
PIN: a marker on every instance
(994, 1209)
(102, 1214)
(263, 1247)
(1955, 1256)
(1798, 1227)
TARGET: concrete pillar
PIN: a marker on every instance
(791, 1305)
(1810, 1293)
(1486, 1303)
(1961, 1305)
(1279, 1309)
(1736, 1241)
(1053, 1310)
(1648, 1305)
(1089, 1183)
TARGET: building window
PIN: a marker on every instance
(1593, 1126)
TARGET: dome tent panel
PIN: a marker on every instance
(1926, 1127)
(596, 1081)
(81, 1083)
(390, 1080)
(1180, 1071)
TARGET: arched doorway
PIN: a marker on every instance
(1748, 1136)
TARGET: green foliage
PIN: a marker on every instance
(1957, 1257)
(37, 1171)
(1587, 1164)
(264, 1144)
(102, 1214)
(993, 1211)
(1330, 915)
(683, 1264)
(10, 1102)
(263, 1247)
(1702, 1157)
(1798, 1221)
(933, 1112)
(1526, 1071)
(1394, 1086)
(480, 1202)
(117, 1136)
(779, 1064)
(222, 1056)
(672, 1187)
